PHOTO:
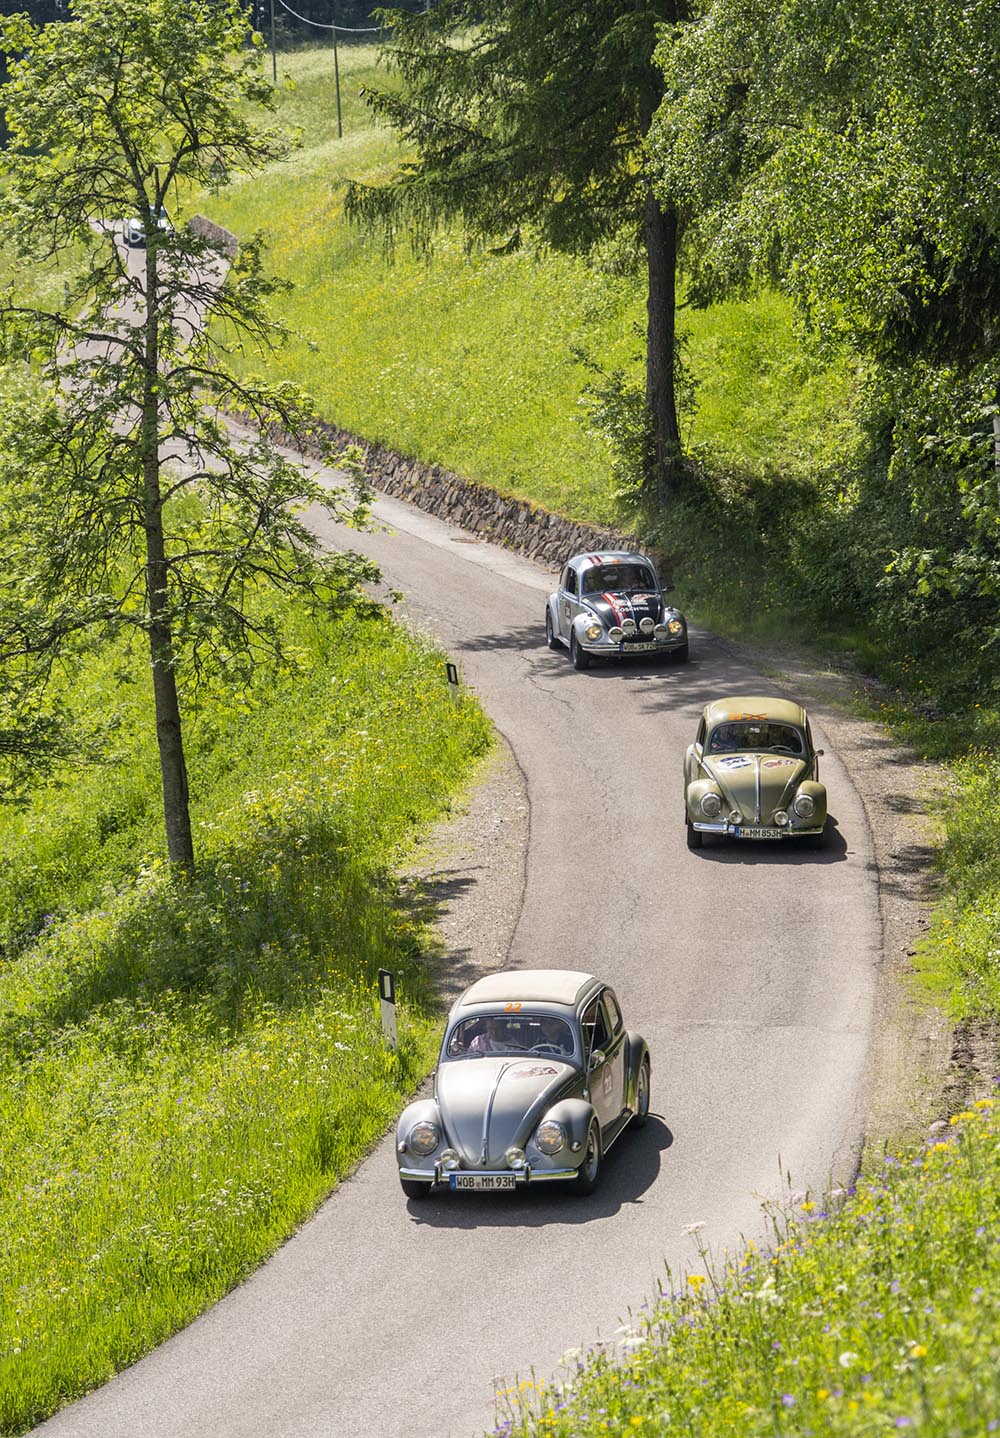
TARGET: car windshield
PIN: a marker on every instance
(617, 578)
(737, 736)
(510, 1034)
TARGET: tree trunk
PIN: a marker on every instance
(664, 461)
(169, 736)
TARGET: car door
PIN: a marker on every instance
(692, 764)
(568, 601)
(605, 1059)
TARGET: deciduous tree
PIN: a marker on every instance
(128, 504)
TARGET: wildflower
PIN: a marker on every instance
(847, 1359)
(917, 1350)
(696, 1280)
(694, 1227)
(788, 1399)
(822, 1394)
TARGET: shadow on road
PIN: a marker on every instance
(631, 1168)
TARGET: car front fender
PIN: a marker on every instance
(423, 1109)
(635, 1052)
(575, 1115)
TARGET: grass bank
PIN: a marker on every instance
(472, 361)
(875, 1312)
(186, 1069)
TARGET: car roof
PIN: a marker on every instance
(608, 556)
(746, 706)
(526, 986)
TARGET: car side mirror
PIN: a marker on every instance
(819, 753)
(666, 589)
(596, 1059)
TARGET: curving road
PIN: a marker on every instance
(750, 970)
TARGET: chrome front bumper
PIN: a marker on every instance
(521, 1175)
(639, 646)
(737, 831)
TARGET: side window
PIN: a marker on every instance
(595, 1026)
(569, 581)
(614, 1013)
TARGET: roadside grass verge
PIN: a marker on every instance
(879, 1316)
(187, 1068)
(472, 361)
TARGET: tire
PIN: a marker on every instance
(550, 635)
(413, 1188)
(695, 838)
(681, 655)
(589, 1173)
(579, 657)
(642, 1095)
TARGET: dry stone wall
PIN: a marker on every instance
(517, 524)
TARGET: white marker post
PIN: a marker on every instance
(387, 998)
(454, 680)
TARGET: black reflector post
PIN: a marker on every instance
(387, 999)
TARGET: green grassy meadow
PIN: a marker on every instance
(187, 1068)
(471, 360)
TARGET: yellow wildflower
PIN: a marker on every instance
(918, 1351)
(696, 1280)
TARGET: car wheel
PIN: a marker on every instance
(695, 837)
(550, 635)
(589, 1172)
(642, 1095)
(414, 1188)
(579, 657)
(681, 654)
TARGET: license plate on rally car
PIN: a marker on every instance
(639, 647)
(482, 1181)
(750, 833)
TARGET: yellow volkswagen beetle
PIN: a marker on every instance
(753, 773)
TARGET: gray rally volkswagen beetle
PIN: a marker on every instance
(611, 606)
(537, 1078)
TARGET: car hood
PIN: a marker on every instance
(497, 1102)
(636, 604)
(738, 776)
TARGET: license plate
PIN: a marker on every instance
(482, 1181)
(756, 833)
(639, 647)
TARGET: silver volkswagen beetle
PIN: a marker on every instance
(537, 1078)
(610, 606)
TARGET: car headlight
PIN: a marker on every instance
(780, 818)
(804, 806)
(449, 1160)
(628, 625)
(515, 1157)
(550, 1136)
(646, 624)
(616, 634)
(661, 631)
(423, 1137)
(735, 817)
(711, 805)
(676, 626)
(593, 630)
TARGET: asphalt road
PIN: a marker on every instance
(749, 969)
